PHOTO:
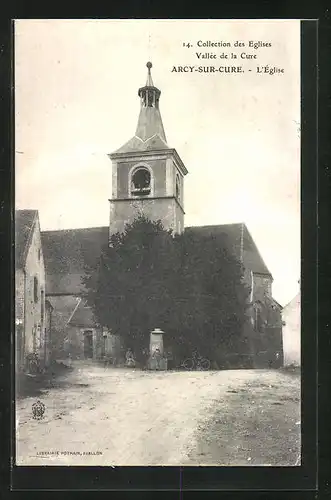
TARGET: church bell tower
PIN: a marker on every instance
(147, 175)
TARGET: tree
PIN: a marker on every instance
(212, 311)
(188, 285)
(131, 289)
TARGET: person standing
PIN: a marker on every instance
(158, 356)
(129, 358)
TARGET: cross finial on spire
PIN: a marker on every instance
(149, 82)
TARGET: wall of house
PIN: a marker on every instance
(48, 333)
(19, 294)
(292, 332)
(34, 323)
(19, 319)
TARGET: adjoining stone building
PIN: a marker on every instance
(148, 178)
(292, 332)
(32, 310)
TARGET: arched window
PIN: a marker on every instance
(150, 99)
(141, 182)
(177, 186)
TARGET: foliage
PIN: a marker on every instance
(189, 286)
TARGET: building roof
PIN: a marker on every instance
(238, 240)
(67, 252)
(150, 124)
(24, 223)
(136, 143)
(280, 307)
(82, 316)
(295, 302)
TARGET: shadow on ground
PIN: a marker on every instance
(36, 385)
(257, 424)
(291, 370)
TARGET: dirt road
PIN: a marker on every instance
(106, 416)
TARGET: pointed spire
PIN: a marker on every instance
(150, 121)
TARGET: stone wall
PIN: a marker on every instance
(19, 319)
(165, 209)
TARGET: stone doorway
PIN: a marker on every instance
(88, 344)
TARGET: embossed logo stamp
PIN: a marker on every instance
(38, 410)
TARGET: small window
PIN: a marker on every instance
(177, 187)
(35, 289)
(141, 182)
(39, 254)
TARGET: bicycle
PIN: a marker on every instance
(196, 362)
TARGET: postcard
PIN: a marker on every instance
(157, 223)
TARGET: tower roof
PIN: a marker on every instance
(149, 132)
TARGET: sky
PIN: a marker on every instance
(238, 134)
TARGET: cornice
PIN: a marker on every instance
(151, 198)
(164, 153)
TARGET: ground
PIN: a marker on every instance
(115, 416)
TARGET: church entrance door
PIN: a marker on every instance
(88, 344)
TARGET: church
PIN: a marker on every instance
(148, 178)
